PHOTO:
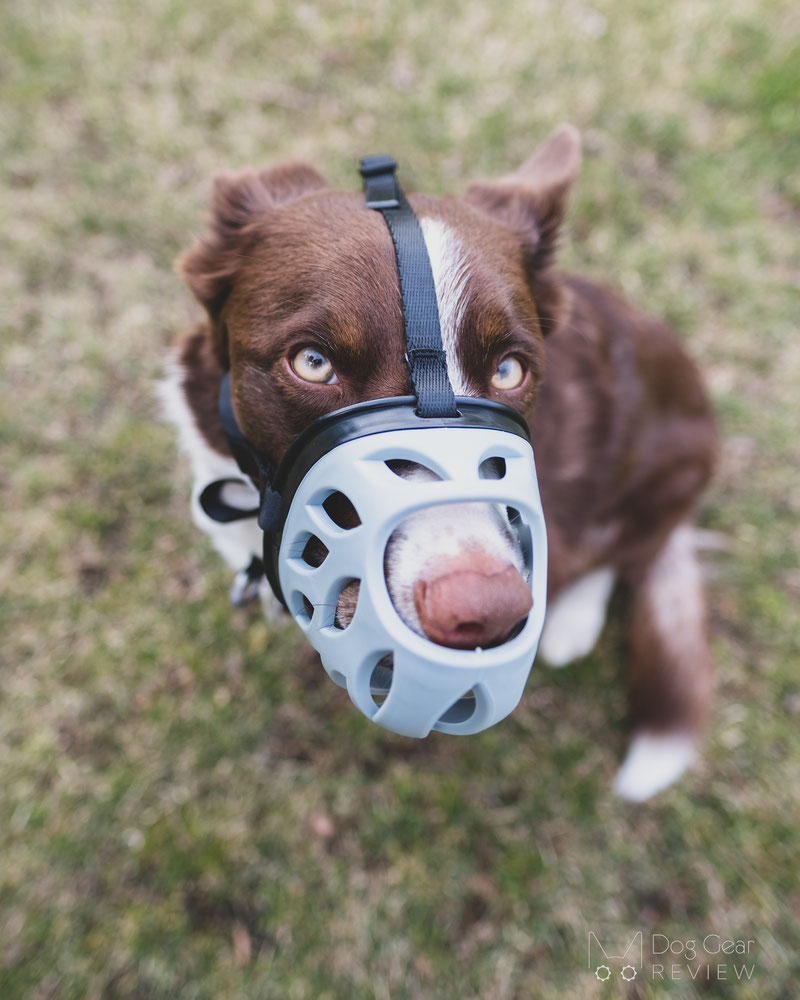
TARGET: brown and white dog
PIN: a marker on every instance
(300, 287)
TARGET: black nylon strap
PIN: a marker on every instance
(217, 509)
(425, 352)
(254, 465)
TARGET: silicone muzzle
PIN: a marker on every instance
(400, 679)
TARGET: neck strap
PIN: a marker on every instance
(425, 352)
(254, 465)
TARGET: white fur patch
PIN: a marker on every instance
(575, 618)
(674, 590)
(207, 464)
(450, 278)
(653, 763)
(238, 541)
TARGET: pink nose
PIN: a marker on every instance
(474, 600)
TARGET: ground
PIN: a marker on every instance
(190, 809)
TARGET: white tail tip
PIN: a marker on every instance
(653, 763)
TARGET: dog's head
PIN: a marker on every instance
(302, 293)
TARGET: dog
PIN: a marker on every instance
(300, 290)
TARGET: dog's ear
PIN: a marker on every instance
(238, 202)
(532, 202)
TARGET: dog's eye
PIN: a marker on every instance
(311, 366)
(509, 374)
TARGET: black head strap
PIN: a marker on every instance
(260, 470)
(425, 351)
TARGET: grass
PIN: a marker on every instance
(189, 808)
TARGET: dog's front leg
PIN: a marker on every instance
(239, 543)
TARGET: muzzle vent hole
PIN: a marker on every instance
(341, 511)
(405, 469)
(346, 604)
(461, 710)
(300, 607)
(380, 681)
(315, 552)
(515, 631)
(492, 468)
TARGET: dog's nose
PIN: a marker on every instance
(473, 600)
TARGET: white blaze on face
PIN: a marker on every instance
(449, 266)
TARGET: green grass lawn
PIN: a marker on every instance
(188, 807)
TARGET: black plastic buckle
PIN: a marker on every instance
(380, 187)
